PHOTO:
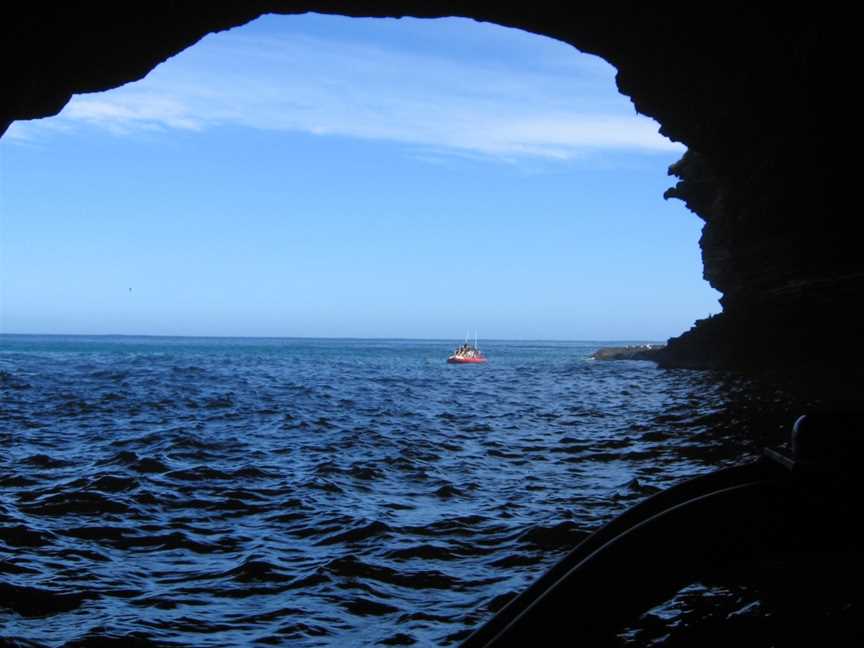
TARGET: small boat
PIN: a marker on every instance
(467, 353)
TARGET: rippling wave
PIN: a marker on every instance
(216, 492)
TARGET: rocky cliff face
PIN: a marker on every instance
(752, 93)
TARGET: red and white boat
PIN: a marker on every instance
(455, 359)
(467, 354)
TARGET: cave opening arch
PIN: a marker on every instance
(669, 64)
(171, 118)
(731, 89)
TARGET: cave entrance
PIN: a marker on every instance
(397, 178)
(326, 177)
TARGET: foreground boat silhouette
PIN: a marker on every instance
(785, 519)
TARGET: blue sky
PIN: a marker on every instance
(325, 176)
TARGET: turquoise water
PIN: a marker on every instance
(214, 491)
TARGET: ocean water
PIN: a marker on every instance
(214, 492)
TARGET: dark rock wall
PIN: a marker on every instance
(752, 91)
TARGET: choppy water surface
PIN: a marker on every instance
(216, 492)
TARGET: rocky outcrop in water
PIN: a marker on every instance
(753, 92)
(632, 352)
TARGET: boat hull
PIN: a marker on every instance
(456, 360)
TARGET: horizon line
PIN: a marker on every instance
(310, 337)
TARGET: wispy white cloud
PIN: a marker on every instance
(324, 86)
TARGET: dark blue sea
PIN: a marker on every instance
(312, 492)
